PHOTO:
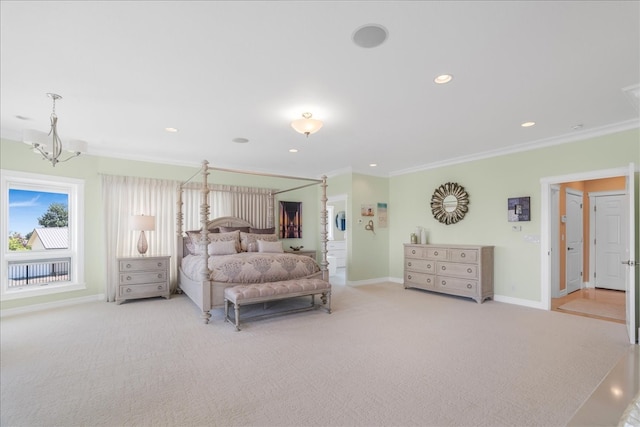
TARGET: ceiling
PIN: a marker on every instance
(223, 70)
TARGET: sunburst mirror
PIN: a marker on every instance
(449, 203)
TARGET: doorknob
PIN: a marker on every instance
(569, 248)
(630, 263)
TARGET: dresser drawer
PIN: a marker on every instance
(420, 265)
(420, 280)
(437, 253)
(457, 286)
(415, 252)
(463, 255)
(457, 270)
(143, 277)
(143, 264)
(137, 291)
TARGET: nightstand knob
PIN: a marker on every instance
(444, 267)
(409, 276)
(128, 289)
(409, 263)
(468, 285)
(128, 265)
(469, 270)
(428, 265)
(159, 264)
(429, 280)
(444, 282)
(128, 277)
(435, 253)
(413, 251)
(159, 276)
(159, 287)
(462, 255)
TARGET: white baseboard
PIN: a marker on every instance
(49, 305)
(519, 301)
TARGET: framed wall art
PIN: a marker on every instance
(519, 209)
(290, 220)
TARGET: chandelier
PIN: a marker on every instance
(306, 124)
(49, 145)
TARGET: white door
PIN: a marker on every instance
(573, 240)
(631, 262)
(610, 245)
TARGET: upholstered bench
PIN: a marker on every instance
(272, 291)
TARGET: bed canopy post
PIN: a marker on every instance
(204, 218)
(324, 233)
(179, 225)
(270, 211)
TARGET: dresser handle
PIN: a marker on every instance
(409, 276)
(428, 265)
(128, 265)
(469, 286)
(159, 287)
(435, 253)
(159, 264)
(159, 276)
(128, 277)
(462, 255)
(413, 251)
(469, 270)
(128, 289)
(444, 282)
(409, 263)
(443, 267)
(429, 280)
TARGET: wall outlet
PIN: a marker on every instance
(516, 228)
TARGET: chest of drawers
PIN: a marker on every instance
(462, 270)
(143, 277)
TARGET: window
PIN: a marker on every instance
(42, 234)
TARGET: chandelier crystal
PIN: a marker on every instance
(50, 146)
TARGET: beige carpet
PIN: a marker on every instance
(386, 356)
(595, 308)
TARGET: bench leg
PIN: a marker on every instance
(326, 299)
(226, 310)
(236, 308)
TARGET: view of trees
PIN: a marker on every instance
(57, 215)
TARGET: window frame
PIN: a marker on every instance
(74, 188)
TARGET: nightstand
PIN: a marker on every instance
(143, 277)
(309, 253)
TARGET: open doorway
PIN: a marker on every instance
(587, 232)
(554, 290)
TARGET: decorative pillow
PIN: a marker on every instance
(265, 246)
(229, 229)
(250, 238)
(214, 230)
(222, 247)
(214, 237)
(262, 230)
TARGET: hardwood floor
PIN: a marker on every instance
(604, 296)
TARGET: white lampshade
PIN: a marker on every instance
(306, 125)
(142, 222)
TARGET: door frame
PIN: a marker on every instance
(545, 228)
(592, 229)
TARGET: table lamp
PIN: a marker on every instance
(142, 223)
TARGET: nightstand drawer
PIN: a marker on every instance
(143, 277)
(137, 291)
(143, 264)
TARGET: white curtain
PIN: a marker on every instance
(124, 196)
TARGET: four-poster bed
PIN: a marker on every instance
(229, 251)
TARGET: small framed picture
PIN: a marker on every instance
(519, 209)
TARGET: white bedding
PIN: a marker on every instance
(252, 267)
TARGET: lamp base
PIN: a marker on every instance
(142, 244)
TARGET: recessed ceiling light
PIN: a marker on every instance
(373, 165)
(172, 130)
(443, 78)
(528, 124)
(293, 150)
(370, 35)
(577, 127)
(240, 140)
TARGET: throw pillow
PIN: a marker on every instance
(265, 246)
(222, 247)
(247, 239)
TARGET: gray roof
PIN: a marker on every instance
(52, 237)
